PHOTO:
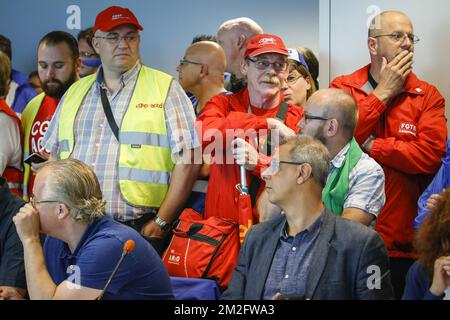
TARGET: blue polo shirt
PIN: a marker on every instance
(141, 275)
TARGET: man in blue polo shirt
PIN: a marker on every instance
(83, 245)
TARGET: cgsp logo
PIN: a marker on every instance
(267, 40)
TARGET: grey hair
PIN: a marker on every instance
(73, 183)
(312, 151)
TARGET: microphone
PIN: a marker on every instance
(127, 248)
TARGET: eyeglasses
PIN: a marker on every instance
(88, 55)
(400, 37)
(274, 166)
(115, 39)
(261, 64)
(293, 79)
(184, 62)
(34, 202)
(311, 117)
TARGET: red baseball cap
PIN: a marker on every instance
(113, 17)
(265, 43)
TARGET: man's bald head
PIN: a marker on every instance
(381, 21)
(242, 25)
(233, 35)
(338, 104)
(210, 54)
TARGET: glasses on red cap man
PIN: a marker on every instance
(116, 39)
(264, 67)
(134, 188)
(252, 109)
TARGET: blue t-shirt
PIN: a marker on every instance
(141, 275)
(440, 181)
(418, 284)
(24, 92)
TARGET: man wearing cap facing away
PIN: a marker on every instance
(255, 108)
(134, 126)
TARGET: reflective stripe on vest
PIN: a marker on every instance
(28, 116)
(13, 186)
(13, 177)
(145, 158)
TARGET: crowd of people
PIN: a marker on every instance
(99, 150)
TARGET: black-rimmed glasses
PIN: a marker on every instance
(184, 62)
(311, 117)
(262, 64)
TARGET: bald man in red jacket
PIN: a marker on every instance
(402, 126)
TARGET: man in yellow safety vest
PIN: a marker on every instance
(134, 126)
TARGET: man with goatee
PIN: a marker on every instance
(58, 62)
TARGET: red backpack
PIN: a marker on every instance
(203, 248)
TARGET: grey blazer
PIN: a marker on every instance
(348, 260)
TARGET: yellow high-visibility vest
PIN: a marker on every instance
(145, 159)
(28, 116)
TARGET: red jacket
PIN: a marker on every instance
(12, 175)
(410, 141)
(224, 112)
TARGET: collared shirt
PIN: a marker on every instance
(142, 274)
(292, 261)
(366, 183)
(96, 145)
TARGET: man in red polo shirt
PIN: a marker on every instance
(402, 126)
(253, 108)
(58, 64)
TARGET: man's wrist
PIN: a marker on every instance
(162, 223)
(383, 95)
(29, 241)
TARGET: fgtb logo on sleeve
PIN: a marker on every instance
(408, 128)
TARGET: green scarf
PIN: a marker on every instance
(336, 188)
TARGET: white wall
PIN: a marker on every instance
(343, 38)
(169, 25)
